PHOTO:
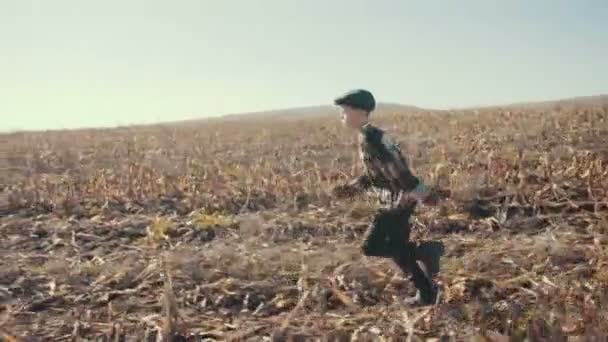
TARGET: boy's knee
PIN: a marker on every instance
(405, 252)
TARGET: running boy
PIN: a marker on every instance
(386, 169)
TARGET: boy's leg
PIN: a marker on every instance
(397, 222)
(375, 242)
(406, 260)
(388, 236)
(430, 253)
(387, 233)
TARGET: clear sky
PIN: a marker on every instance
(75, 63)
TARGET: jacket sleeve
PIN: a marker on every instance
(400, 170)
(394, 166)
(353, 188)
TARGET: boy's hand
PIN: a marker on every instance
(344, 191)
(352, 188)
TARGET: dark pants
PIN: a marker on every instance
(388, 237)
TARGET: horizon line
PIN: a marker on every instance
(301, 107)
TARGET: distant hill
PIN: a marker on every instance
(389, 108)
(315, 112)
(592, 100)
(382, 108)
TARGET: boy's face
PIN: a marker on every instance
(352, 117)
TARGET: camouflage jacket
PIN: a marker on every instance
(386, 169)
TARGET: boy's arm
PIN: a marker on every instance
(397, 169)
(354, 187)
(400, 171)
(394, 165)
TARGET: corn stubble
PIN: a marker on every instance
(226, 230)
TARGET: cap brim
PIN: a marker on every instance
(339, 101)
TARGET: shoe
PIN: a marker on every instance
(431, 298)
(420, 300)
(414, 300)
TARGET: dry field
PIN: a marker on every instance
(227, 231)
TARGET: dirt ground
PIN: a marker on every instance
(524, 250)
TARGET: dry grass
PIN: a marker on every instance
(227, 230)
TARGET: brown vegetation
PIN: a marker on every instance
(228, 230)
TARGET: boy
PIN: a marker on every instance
(386, 169)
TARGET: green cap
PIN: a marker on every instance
(358, 98)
